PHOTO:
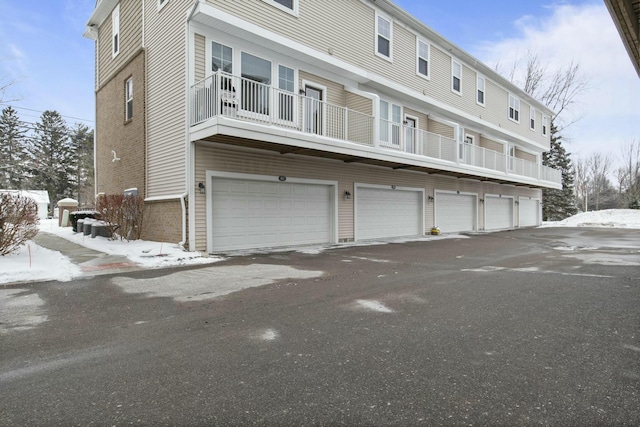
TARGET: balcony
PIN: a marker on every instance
(226, 96)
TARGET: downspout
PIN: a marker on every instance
(188, 156)
(184, 220)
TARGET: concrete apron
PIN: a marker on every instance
(91, 262)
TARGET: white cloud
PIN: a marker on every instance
(608, 110)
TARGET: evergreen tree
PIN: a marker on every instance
(52, 157)
(82, 143)
(559, 204)
(13, 150)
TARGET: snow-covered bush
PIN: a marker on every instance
(18, 222)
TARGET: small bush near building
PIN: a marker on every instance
(123, 215)
(18, 222)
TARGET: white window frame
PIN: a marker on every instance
(293, 11)
(115, 31)
(514, 108)
(479, 79)
(545, 125)
(390, 129)
(128, 98)
(161, 4)
(294, 98)
(455, 63)
(532, 118)
(378, 35)
(427, 59)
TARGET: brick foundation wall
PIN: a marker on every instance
(163, 221)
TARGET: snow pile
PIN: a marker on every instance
(610, 218)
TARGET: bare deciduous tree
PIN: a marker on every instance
(628, 175)
(582, 181)
(558, 89)
(599, 166)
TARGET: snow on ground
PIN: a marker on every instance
(610, 218)
(34, 263)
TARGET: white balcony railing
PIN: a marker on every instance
(230, 96)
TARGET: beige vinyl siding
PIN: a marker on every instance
(350, 36)
(526, 156)
(130, 40)
(166, 96)
(441, 129)
(359, 103)
(200, 70)
(491, 145)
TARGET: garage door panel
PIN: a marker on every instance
(529, 213)
(498, 213)
(253, 214)
(455, 212)
(388, 213)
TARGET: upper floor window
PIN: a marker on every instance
(115, 30)
(532, 119)
(162, 3)
(544, 125)
(128, 99)
(290, 6)
(514, 108)
(286, 99)
(384, 35)
(423, 55)
(221, 58)
(456, 76)
(480, 88)
(390, 122)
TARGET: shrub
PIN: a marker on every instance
(123, 215)
(18, 222)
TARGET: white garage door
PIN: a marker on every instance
(388, 213)
(498, 213)
(249, 214)
(455, 212)
(529, 213)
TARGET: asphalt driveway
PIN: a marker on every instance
(525, 327)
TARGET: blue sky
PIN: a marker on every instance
(42, 48)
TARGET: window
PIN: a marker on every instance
(423, 59)
(128, 99)
(256, 73)
(115, 30)
(480, 83)
(514, 108)
(221, 58)
(286, 84)
(532, 119)
(162, 3)
(290, 6)
(390, 121)
(456, 76)
(383, 41)
(544, 125)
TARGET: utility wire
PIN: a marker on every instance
(38, 111)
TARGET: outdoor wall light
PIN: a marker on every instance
(517, 202)
(201, 187)
(393, 187)
(347, 195)
(430, 199)
(482, 201)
